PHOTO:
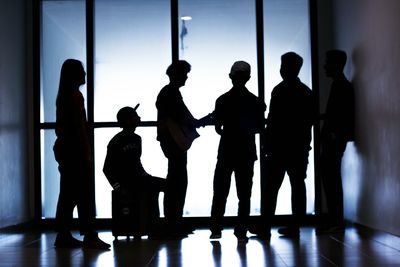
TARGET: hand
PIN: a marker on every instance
(209, 119)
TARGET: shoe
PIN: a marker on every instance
(216, 235)
(263, 233)
(94, 242)
(289, 231)
(330, 229)
(188, 230)
(67, 241)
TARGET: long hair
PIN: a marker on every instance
(70, 75)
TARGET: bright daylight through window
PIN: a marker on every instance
(132, 48)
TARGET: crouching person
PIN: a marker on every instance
(135, 209)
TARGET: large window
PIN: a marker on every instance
(213, 35)
(63, 36)
(133, 44)
(287, 28)
(132, 51)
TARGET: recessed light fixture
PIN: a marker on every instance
(186, 18)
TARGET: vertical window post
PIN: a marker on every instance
(90, 79)
(174, 30)
(36, 5)
(260, 71)
(315, 83)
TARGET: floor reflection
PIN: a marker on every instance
(354, 248)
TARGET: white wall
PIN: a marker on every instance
(14, 183)
(368, 31)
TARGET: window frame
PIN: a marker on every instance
(38, 126)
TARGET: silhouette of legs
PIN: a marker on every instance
(244, 183)
(221, 186)
(297, 172)
(222, 180)
(75, 188)
(276, 166)
(271, 182)
(331, 160)
(176, 187)
(154, 186)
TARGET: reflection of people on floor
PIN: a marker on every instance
(176, 129)
(287, 144)
(73, 153)
(124, 171)
(238, 116)
(337, 130)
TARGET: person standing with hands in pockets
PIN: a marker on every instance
(287, 145)
(238, 116)
(337, 130)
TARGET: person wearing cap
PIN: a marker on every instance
(238, 116)
(287, 145)
(174, 118)
(124, 170)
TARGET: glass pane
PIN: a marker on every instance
(202, 158)
(286, 28)
(201, 163)
(213, 35)
(50, 174)
(153, 161)
(63, 37)
(133, 50)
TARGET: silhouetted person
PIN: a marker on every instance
(337, 130)
(124, 170)
(174, 123)
(73, 153)
(238, 116)
(287, 144)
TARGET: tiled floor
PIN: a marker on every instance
(357, 247)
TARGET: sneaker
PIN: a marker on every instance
(289, 231)
(67, 241)
(94, 242)
(262, 235)
(330, 229)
